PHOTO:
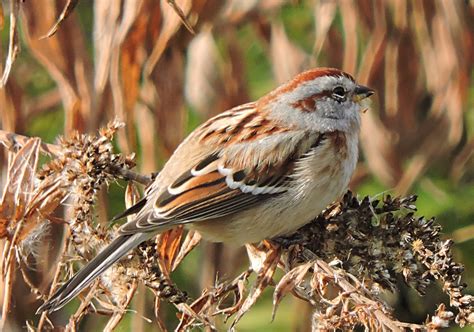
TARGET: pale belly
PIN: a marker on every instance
(320, 180)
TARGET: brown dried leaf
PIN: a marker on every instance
(21, 173)
(121, 55)
(47, 197)
(190, 313)
(349, 24)
(379, 149)
(191, 240)
(289, 281)
(106, 25)
(19, 185)
(163, 94)
(264, 278)
(131, 195)
(148, 137)
(10, 140)
(168, 244)
(239, 296)
(12, 115)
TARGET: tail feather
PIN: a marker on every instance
(131, 210)
(107, 257)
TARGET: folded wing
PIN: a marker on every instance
(218, 186)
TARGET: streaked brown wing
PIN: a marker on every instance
(223, 183)
(209, 191)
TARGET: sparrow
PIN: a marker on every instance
(257, 171)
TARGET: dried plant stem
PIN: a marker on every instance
(66, 241)
(352, 249)
(13, 45)
(12, 140)
(7, 273)
(129, 175)
(28, 281)
(11, 248)
(119, 314)
(182, 16)
(7, 289)
(356, 294)
(67, 10)
(82, 311)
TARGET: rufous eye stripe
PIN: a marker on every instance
(308, 104)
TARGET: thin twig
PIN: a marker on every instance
(7, 289)
(129, 175)
(67, 10)
(181, 15)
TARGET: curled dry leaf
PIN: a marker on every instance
(131, 196)
(288, 283)
(237, 290)
(168, 244)
(191, 240)
(264, 279)
(16, 195)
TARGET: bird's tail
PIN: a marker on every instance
(112, 253)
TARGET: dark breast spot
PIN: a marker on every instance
(339, 142)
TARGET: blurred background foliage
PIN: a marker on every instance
(135, 60)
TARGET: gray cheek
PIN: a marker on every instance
(330, 109)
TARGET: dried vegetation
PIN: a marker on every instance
(341, 263)
(417, 55)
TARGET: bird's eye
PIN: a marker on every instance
(339, 93)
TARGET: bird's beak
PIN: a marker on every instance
(361, 92)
